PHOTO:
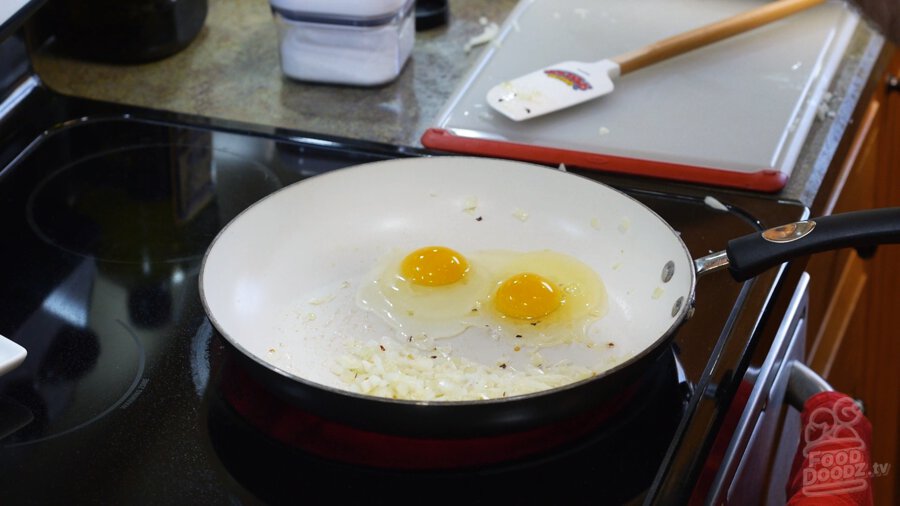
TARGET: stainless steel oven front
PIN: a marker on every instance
(756, 465)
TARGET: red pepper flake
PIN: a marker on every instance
(382, 347)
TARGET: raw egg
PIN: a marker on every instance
(534, 298)
(434, 266)
(428, 292)
(540, 297)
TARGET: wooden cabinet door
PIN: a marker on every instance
(854, 338)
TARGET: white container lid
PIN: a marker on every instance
(356, 9)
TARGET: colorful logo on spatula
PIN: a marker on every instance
(570, 78)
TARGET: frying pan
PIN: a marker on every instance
(277, 282)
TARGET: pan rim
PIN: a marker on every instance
(665, 336)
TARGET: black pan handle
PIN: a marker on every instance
(754, 253)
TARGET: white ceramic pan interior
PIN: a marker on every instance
(280, 280)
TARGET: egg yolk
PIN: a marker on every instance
(527, 296)
(434, 266)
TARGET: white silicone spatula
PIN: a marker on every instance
(11, 355)
(570, 83)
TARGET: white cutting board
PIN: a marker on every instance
(10, 7)
(729, 114)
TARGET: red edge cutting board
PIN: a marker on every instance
(733, 114)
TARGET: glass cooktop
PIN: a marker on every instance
(120, 401)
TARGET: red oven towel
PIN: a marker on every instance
(832, 463)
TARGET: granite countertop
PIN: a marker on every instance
(232, 71)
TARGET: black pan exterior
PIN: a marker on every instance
(466, 419)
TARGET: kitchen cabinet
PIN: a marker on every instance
(854, 339)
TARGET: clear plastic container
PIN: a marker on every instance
(363, 43)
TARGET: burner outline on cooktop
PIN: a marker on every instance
(122, 401)
(177, 203)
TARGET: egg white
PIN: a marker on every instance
(421, 311)
(584, 299)
(415, 311)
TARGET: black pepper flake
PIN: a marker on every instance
(382, 347)
(474, 309)
(502, 366)
(611, 345)
(518, 336)
(434, 356)
(409, 339)
(479, 218)
(534, 324)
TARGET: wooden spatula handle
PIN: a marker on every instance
(699, 37)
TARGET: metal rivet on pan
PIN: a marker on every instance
(790, 232)
(668, 271)
(677, 307)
